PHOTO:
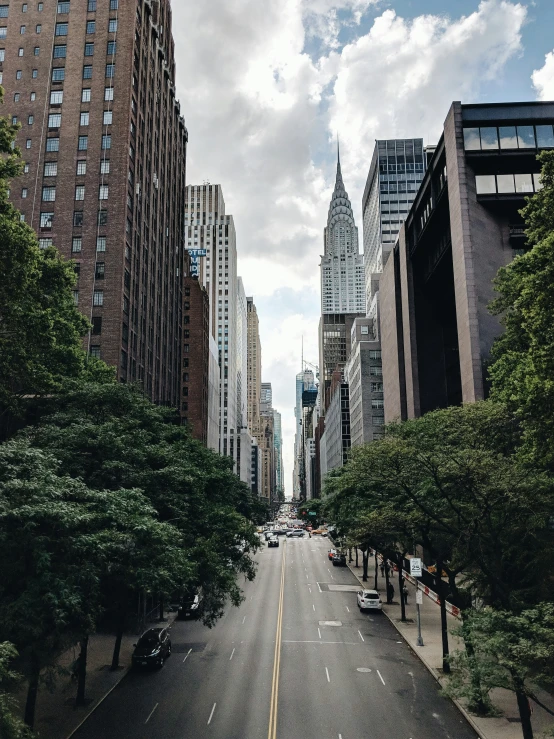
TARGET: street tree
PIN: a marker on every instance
(522, 369)
(11, 726)
(511, 651)
(40, 326)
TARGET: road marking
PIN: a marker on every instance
(212, 713)
(187, 654)
(313, 641)
(360, 633)
(272, 733)
(313, 606)
(151, 713)
(319, 632)
(231, 657)
(319, 586)
(348, 609)
(340, 736)
(307, 578)
(381, 677)
(327, 673)
(309, 588)
(244, 619)
(332, 576)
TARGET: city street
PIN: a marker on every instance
(337, 675)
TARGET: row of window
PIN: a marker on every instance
(61, 30)
(49, 193)
(76, 245)
(47, 219)
(86, 94)
(492, 138)
(490, 184)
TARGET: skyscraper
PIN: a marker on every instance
(209, 230)
(278, 446)
(342, 284)
(254, 364)
(305, 380)
(396, 171)
(93, 86)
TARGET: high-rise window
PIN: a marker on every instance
(78, 218)
(76, 244)
(108, 93)
(50, 169)
(108, 117)
(89, 49)
(60, 51)
(4, 11)
(80, 192)
(36, 50)
(58, 74)
(114, 4)
(18, 74)
(105, 166)
(54, 120)
(53, 144)
(46, 220)
(91, 27)
(81, 167)
(111, 48)
(61, 29)
(85, 95)
(83, 143)
(87, 72)
(112, 27)
(103, 192)
(100, 270)
(85, 117)
(20, 51)
(106, 142)
(101, 243)
(49, 194)
(24, 192)
(56, 97)
(98, 298)
(110, 70)
(63, 6)
(91, 6)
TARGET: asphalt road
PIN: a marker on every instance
(296, 661)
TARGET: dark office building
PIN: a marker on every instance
(196, 359)
(92, 83)
(436, 330)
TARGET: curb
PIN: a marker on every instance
(93, 709)
(428, 667)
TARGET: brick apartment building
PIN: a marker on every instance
(196, 359)
(92, 84)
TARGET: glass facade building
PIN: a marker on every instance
(396, 172)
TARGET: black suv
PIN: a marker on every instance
(339, 560)
(192, 605)
(153, 648)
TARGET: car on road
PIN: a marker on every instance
(192, 605)
(295, 533)
(153, 648)
(331, 552)
(369, 600)
(273, 542)
(339, 559)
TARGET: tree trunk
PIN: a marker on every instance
(161, 607)
(82, 672)
(401, 591)
(376, 569)
(32, 691)
(119, 635)
(365, 561)
(479, 701)
(444, 623)
(524, 710)
(386, 578)
(357, 565)
(350, 554)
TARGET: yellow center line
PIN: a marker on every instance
(272, 734)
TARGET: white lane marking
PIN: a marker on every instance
(187, 654)
(327, 673)
(212, 713)
(332, 578)
(319, 632)
(309, 588)
(340, 736)
(313, 641)
(348, 609)
(313, 606)
(381, 677)
(231, 657)
(319, 586)
(244, 619)
(307, 578)
(151, 713)
(360, 633)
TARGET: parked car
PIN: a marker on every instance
(268, 534)
(192, 605)
(369, 600)
(331, 552)
(153, 648)
(273, 542)
(339, 559)
(296, 533)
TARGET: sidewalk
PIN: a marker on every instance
(56, 714)
(506, 727)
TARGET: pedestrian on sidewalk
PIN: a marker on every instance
(390, 593)
(382, 566)
(405, 593)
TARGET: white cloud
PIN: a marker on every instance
(543, 78)
(260, 113)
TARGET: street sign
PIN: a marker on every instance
(419, 597)
(312, 513)
(415, 567)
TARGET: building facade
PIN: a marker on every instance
(396, 171)
(335, 442)
(254, 364)
(463, 226)
(305, 382)
(278, 446)
(93, 86)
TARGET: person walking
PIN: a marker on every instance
(390, 593)
(382, 566)
(405, 593)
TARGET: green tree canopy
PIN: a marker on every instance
(522, 370)
(11, 726)
(40, 327)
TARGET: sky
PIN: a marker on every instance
(265, 87)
